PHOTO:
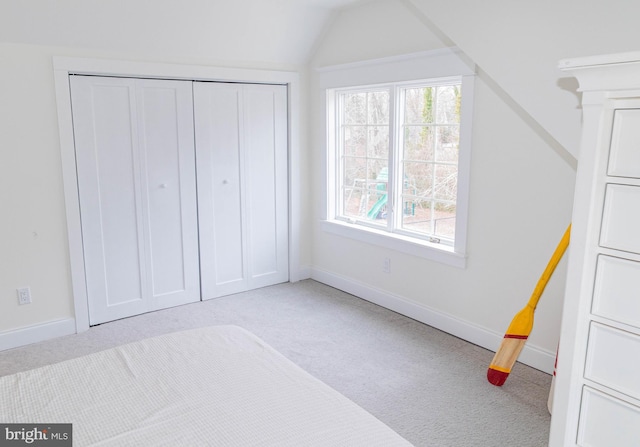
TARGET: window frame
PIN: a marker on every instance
(406, 71)
(396, 125)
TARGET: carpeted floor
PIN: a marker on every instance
(428, 386)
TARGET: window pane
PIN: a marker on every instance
(429, 218)
(418, 143)
(365, 155)
(444, 221)
(448, 104)
(376, 204)
(365, 190)
(446, 182)
(355, 108)
(355, 140)
(378, 142)
(416, 216)
(351, 202)
(447, 144)
(430, 141)
(354, 171)
(378, 173)
(418, 106)
(367, 204)
(378, 107)
(418, 179)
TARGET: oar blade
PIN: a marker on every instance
(511, 346)
(506, 356)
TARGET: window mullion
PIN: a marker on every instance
(339, 162)
(394, 126)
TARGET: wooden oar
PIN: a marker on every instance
(521, 325)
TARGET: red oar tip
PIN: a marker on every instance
(497, 378)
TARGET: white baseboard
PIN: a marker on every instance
(34, 334)
(304, 272)
(533, 356)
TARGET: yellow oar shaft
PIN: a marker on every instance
(551, 266)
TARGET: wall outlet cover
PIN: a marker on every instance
(24, 295)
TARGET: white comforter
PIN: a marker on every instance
(218, 386)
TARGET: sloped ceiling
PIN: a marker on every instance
(519, 44)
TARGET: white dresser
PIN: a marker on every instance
(597, 394)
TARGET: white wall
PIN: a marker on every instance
(33, 239)
(33, 247)
(358, 33)
(520, 204)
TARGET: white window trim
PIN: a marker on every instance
(427, 66)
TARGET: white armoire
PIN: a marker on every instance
(183, 190)
(597, 393)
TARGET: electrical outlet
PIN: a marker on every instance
(24, 295)
(386, 265)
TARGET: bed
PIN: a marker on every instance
(218, 386)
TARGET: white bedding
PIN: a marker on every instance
(218, 386)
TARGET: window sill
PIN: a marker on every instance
(404, 244)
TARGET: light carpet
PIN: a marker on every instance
(427, 385)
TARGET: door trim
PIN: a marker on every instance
(63, 67)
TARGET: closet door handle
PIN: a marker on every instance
(163, 186)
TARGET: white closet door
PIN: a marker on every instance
(136, 178)
(241, 144)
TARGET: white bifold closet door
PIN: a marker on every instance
(137, 189)
(241, 146)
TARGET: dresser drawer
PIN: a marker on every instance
(621, 218)
(613, 359)
(616, 292)
(624, 156)
(607, 422)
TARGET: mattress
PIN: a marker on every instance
(217, 386)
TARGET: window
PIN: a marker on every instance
(395, 155)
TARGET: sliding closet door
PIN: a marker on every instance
(136, 179)
(241, 144)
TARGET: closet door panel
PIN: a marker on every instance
(266, 174)
(136, 180)
(218, 131)
(241, 147)
(168, 153)
(108, 166)
(226, 190)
